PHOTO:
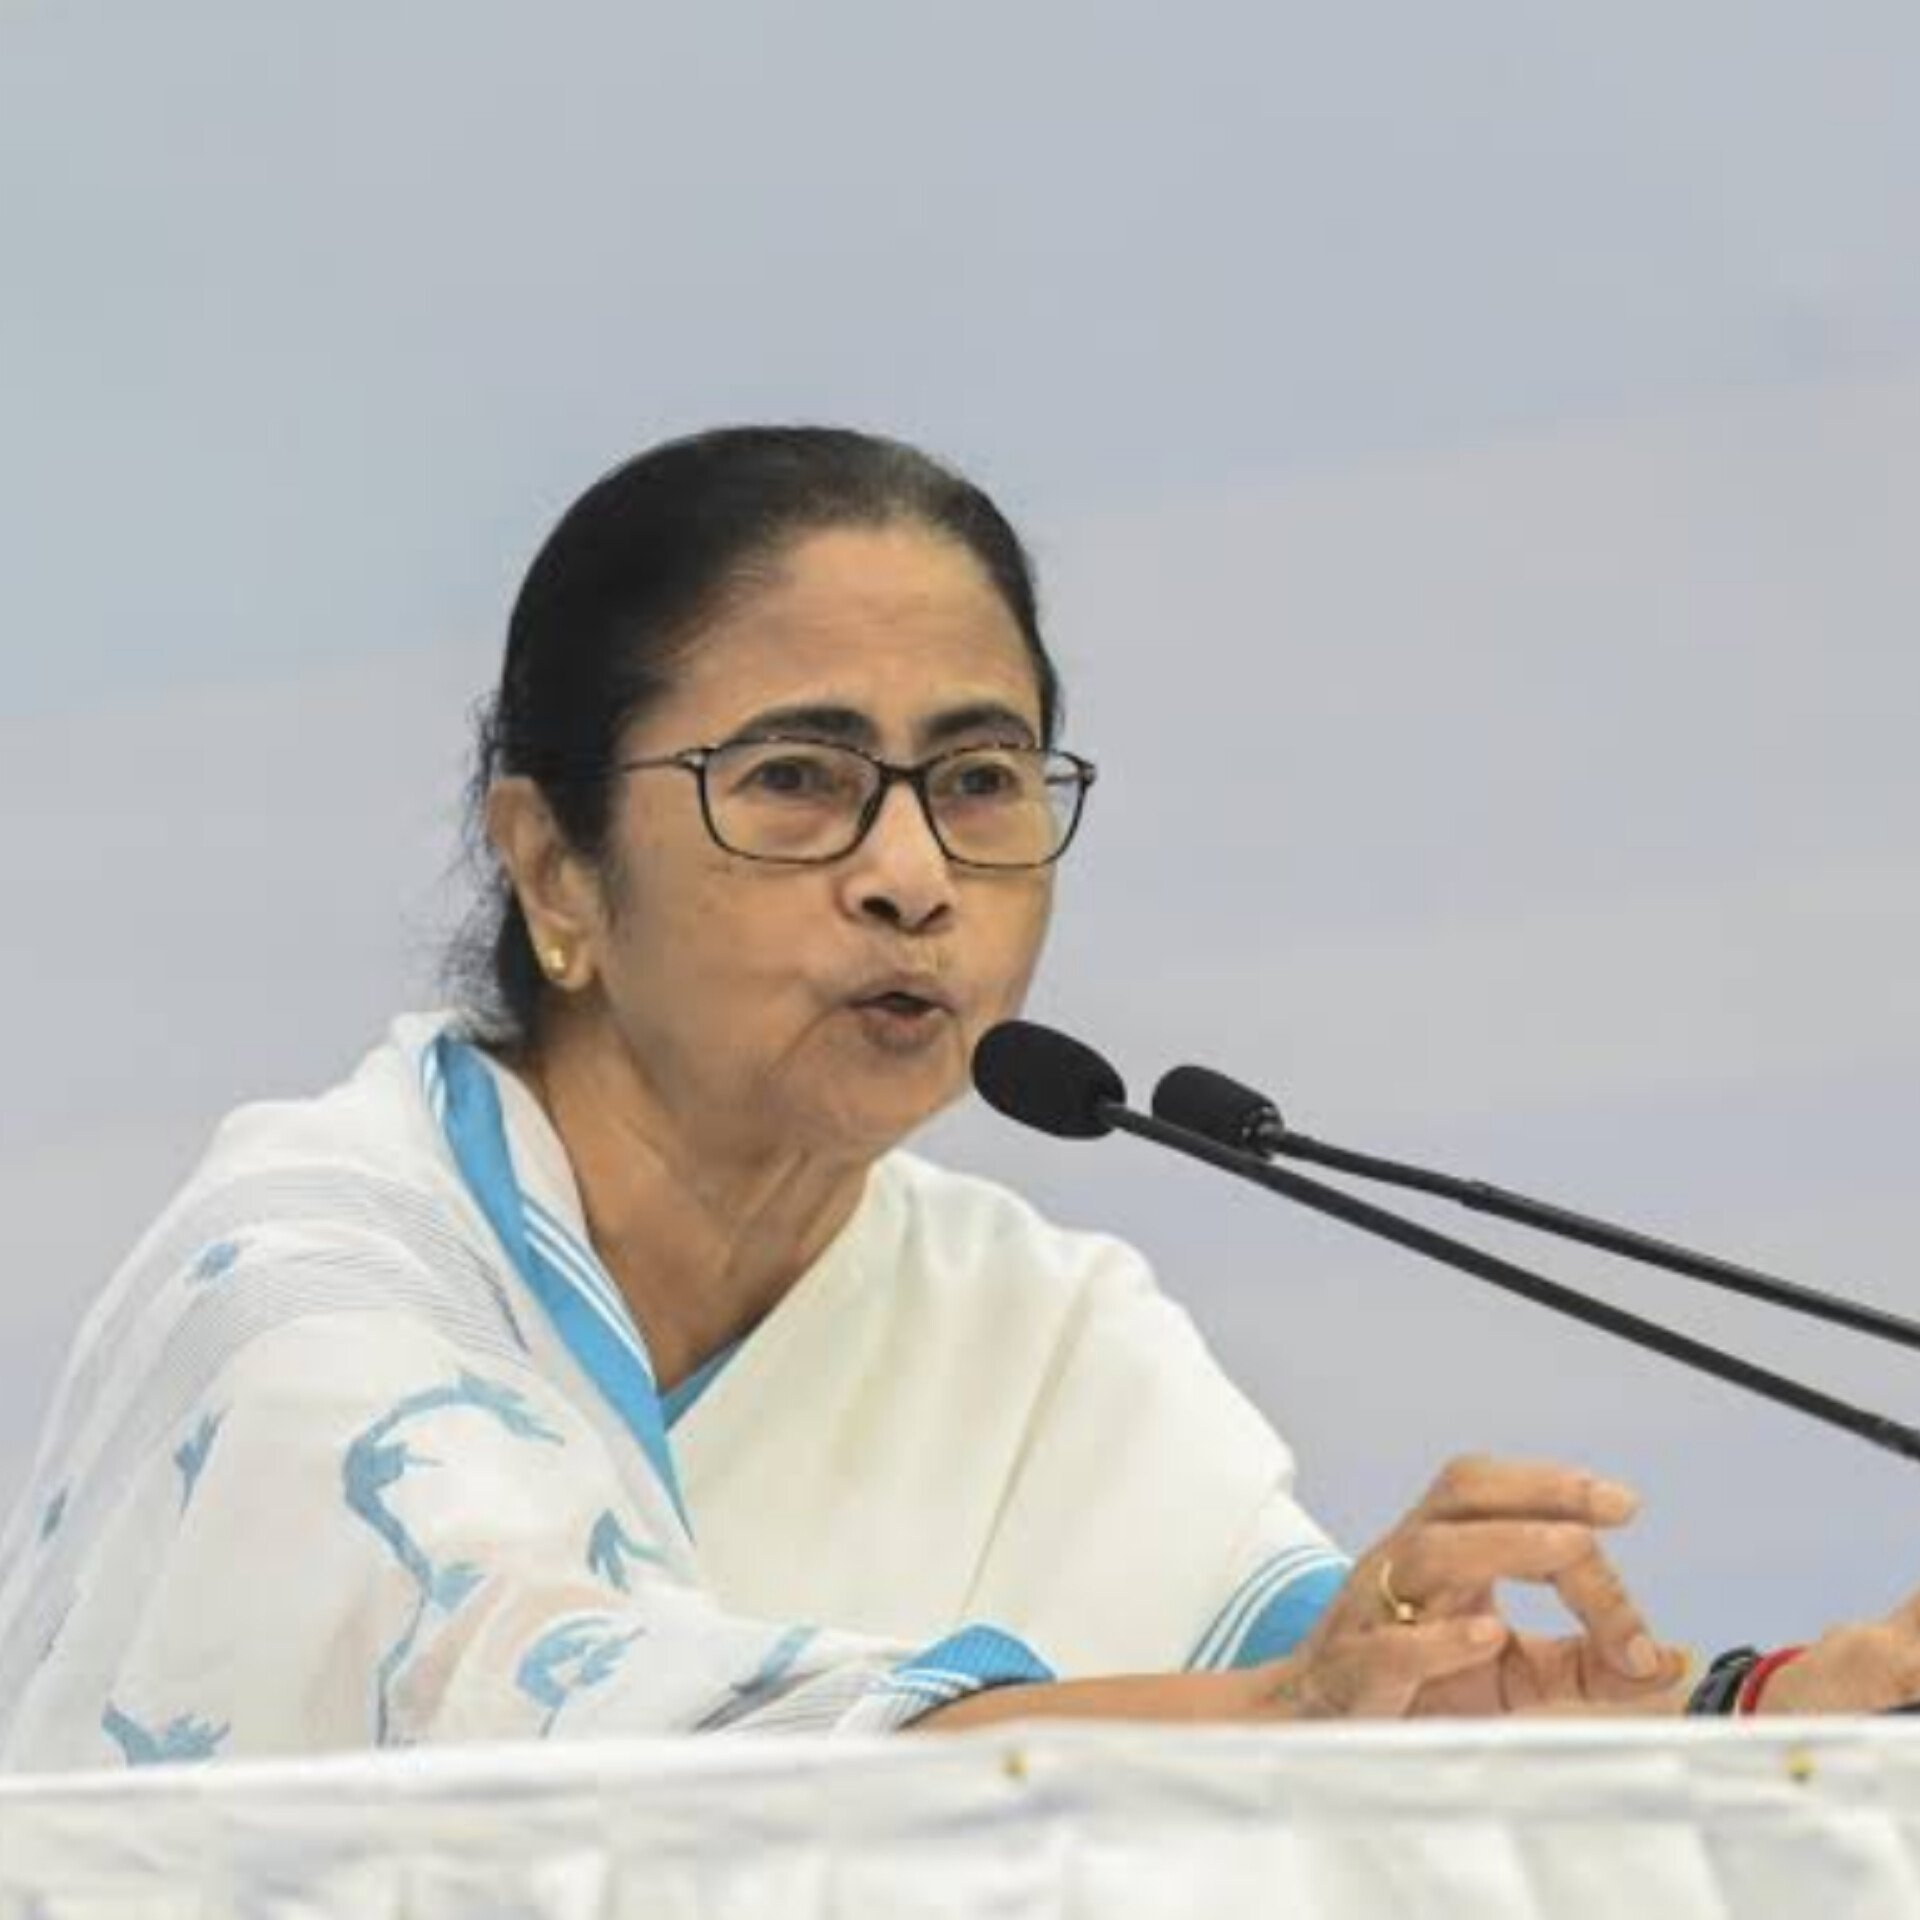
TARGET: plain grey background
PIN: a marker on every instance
(1473, 453)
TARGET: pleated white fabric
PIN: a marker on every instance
(1462, 1821)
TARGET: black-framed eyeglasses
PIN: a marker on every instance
(801, 802)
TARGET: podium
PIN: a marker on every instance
(1634, 1820)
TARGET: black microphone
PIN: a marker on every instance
(1047, 1080)
(1225, 1110)
(1061, 1086)
(1208, 1102)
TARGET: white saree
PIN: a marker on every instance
(360, 1447)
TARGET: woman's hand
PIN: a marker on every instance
(1415, 1630)
(1862, 1667)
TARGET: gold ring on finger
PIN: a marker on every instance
(1400, 1610)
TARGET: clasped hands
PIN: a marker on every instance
(1416, 1629)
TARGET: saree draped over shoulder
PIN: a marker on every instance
(361, 1447)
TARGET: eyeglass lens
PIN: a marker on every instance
(791, 800)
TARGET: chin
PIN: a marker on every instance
(869, 1097)
(865, 1129)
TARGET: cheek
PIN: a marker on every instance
(674, 920)
(716, 938)
(1017, 931)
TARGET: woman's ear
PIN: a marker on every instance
(557, 886)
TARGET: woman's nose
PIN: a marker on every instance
(899, 873)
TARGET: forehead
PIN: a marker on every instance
(899, 624)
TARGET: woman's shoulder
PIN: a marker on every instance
(968, 1223)
(306, 1224)
(339, 1201)
(361, 1153)
(982, 1269)
(378, 1116)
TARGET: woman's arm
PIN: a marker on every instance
(1372, 1675)
(358, 1535)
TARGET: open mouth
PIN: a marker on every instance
(907, 1006)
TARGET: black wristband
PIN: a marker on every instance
(1718, 1689)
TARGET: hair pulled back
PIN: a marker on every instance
(620, 592)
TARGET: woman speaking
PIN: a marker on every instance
(594, 1359)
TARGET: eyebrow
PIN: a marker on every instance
(822, 721)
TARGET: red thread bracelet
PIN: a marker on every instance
(1760, 1673)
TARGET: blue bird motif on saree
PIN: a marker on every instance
(191, 1455)
(777, 1664)
(763, 1683)
(184, 1738)
(574, 1655)
(215, 1263)
(377, 1462)
(610, 1547)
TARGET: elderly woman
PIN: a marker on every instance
(594, 1360)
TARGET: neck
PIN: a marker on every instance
(704, 1232)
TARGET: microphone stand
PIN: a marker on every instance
(1267, 1140)
(1876, 1428)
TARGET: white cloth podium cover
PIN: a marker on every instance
(361, 1448)
(1646, 1820)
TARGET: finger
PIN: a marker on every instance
(1432, 1564)
(1379, 1674)
(1475, 1486)
(1592, 1590)
(1542, 1674)
(1438, 1566)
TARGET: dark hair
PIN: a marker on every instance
(618, 594)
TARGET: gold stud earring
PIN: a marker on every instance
(558, 962)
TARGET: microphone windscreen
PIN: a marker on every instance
(1045, 1079)
(1206, 1102)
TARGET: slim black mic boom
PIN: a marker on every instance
(1223, 1109)
(1089, 1099)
